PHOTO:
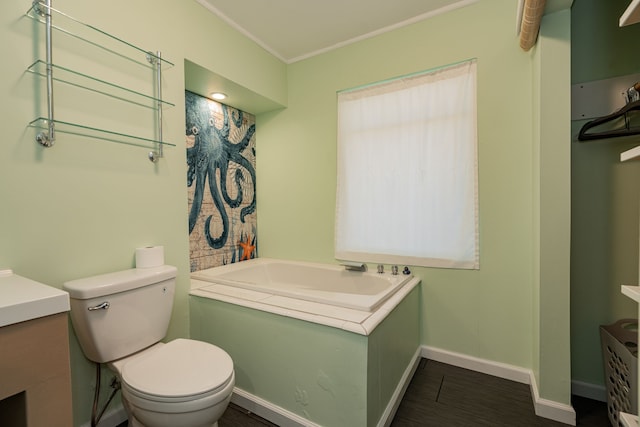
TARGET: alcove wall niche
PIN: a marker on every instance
(220, 139)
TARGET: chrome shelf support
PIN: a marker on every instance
(47, 139)
(156, 60)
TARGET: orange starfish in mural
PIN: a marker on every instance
(247, 248)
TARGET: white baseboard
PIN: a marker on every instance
(544, 408)
(112, 418)
(550, 409)
(588, 390)
(268, 410)
(496, 369)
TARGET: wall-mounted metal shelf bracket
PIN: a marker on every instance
(156, 60)
(48, 138)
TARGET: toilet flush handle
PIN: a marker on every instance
(102, 306)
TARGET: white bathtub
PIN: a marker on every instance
(323, 283)
(320, 293)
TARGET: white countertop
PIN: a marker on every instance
(23, 299)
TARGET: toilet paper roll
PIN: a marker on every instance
(149, 256)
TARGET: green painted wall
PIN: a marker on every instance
(82, 207)
(604, 192)
(552, 223)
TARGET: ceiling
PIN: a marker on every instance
(293, 30)
(297, 29)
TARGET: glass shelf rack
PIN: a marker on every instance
(42, 12)
(91, 34)
(87, 82)
(96, 133)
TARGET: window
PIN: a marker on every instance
(407, 171)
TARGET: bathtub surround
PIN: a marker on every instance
(318, 373)
(302, 362)
(221, 183)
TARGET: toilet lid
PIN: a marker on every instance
(179, 368)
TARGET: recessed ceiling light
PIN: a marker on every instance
(218, 95)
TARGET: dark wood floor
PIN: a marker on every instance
(444, 395)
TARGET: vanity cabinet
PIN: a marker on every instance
(35, 376)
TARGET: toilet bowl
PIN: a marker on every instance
(120, 319)
(181, 383)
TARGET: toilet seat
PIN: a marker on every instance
(179, 371)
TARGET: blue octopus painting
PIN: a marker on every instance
(221, 179)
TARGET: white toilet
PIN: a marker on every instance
(119, 319)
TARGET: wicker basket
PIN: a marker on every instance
(620, 355)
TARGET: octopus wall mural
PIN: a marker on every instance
(221, 182)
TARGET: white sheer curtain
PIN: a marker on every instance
(407, 171)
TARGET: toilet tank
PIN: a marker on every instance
(117, 314)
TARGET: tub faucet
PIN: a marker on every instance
(354, 266)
